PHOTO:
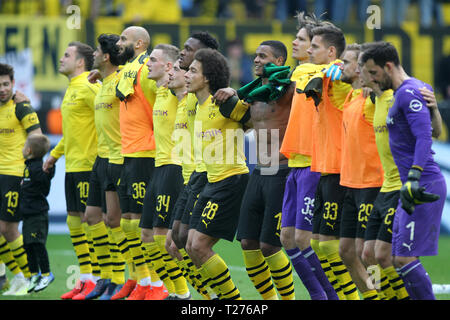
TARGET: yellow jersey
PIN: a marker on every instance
(79, 141)
(16, 120)
(222, 142)
(182, 141)
(369, 106)
(191, 110)
(164, 114)
(107, 108)
(391, 179)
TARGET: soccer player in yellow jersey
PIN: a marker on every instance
(17, 121)
(221, 142)
(79, 146)
(198, 179)
(103, 197)
(183, 150)
(167, 180)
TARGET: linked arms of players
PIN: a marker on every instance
(436, 120)
(230, 106)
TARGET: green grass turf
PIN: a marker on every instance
(62, 258)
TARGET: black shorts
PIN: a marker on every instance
(180, 205)
(97, 184)
(260, 215)
(113, 173)
(10, 197)
(76, 187)
(379, 225)
(328, 205)
(196, 184)
(216, 212)
(358, 205)
(35, 228)
(161, 196)
(135, 176)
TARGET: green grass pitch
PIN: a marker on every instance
(62, 258)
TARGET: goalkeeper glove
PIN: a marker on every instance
(411, 193)
(334, 72)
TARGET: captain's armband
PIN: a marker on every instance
(235, 109)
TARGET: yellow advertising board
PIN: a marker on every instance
(47, 38)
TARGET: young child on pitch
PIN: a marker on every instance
(34, 208)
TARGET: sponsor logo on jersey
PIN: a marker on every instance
(415, 105)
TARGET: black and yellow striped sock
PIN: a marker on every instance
(207, 281)
(100, 241)
(185, 271)
(281, 270)
(158, 265)
(331, 250)
(7, 257)
(171, 266)
(370, 295)
(259, 273)
(20, 255)
(192, 275)
(149, 263)
(117, 260)
(79, 242)
(119, 237)
(327, 269)
(151, 267)
(386, 290)
(217, 270)
(396, 283)
(133, 235)
(94, 262)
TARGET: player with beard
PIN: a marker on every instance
(378, 236)
(103, 209)
(17, 121)
(422, 195)
(137, 95)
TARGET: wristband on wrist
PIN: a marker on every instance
(415, 173)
